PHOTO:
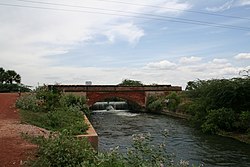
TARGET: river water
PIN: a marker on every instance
(116, 127)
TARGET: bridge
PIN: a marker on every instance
(136, 94)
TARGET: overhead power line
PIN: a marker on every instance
(152, 17)
(183, 10)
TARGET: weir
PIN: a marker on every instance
(121, 105)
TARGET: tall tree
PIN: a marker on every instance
(12, 76)
(2, 75)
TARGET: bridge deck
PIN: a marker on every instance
(115, 88)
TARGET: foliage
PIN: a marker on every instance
(70, 100)
(244, 121)
(173, 101)
(28, 102)
(218, 104)
(53, 111)
(49, 97)
(154, 103)
(128, 82)
(63, 150)
(62, 118)
(4, 87)
(66, 150)
(143, 153)
(219, 119)
(9, 76)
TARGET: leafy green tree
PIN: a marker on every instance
(128, 82)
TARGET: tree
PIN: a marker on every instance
(2, 75)
(128, 82)
(11, 76)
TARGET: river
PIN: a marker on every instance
(116, 127)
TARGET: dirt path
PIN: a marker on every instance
(13, 149)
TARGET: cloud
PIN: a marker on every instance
(242, 56)
(174, 7)
(127, 31)
(244, 2)
(225, 6)
(220, 61)
(188, 60)
(161, 65)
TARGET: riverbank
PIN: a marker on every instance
(176, 114)
(237, 136)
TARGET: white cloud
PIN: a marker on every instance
(244, 2)
(242, 56)
(220, 61)
(173, 7)
(188, 60)
(225, 6)
(127, 31)
(161, 65)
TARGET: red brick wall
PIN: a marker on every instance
(137, 97)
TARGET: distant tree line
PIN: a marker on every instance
(10, 81)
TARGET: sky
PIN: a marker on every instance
(107, 41)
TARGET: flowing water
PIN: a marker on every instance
(116, 127)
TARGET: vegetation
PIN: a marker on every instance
(128, 82)
(63, 113)
(155, 103)
(220, 104)
(158, 103)
(10, 81)
(53, 111)
(66, 150)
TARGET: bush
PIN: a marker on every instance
(154, 104)
(70, 119)
(28, 102)
(50, 110)
(50, 98)
(222, 98)
(70, 100)
(244, 122)
(173, 101)
(64, 150)
(219, 119)
(68, 151)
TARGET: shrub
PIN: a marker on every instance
(58, 120)
(244, 122)
(64, 150)
(173, 101)
(50, 98)
(28, 102)
(70, 100)
(219, 119)
(68, 151)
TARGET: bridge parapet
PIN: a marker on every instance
(114, 88)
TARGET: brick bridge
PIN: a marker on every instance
(136, 94)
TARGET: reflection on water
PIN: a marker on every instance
(116, 128)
